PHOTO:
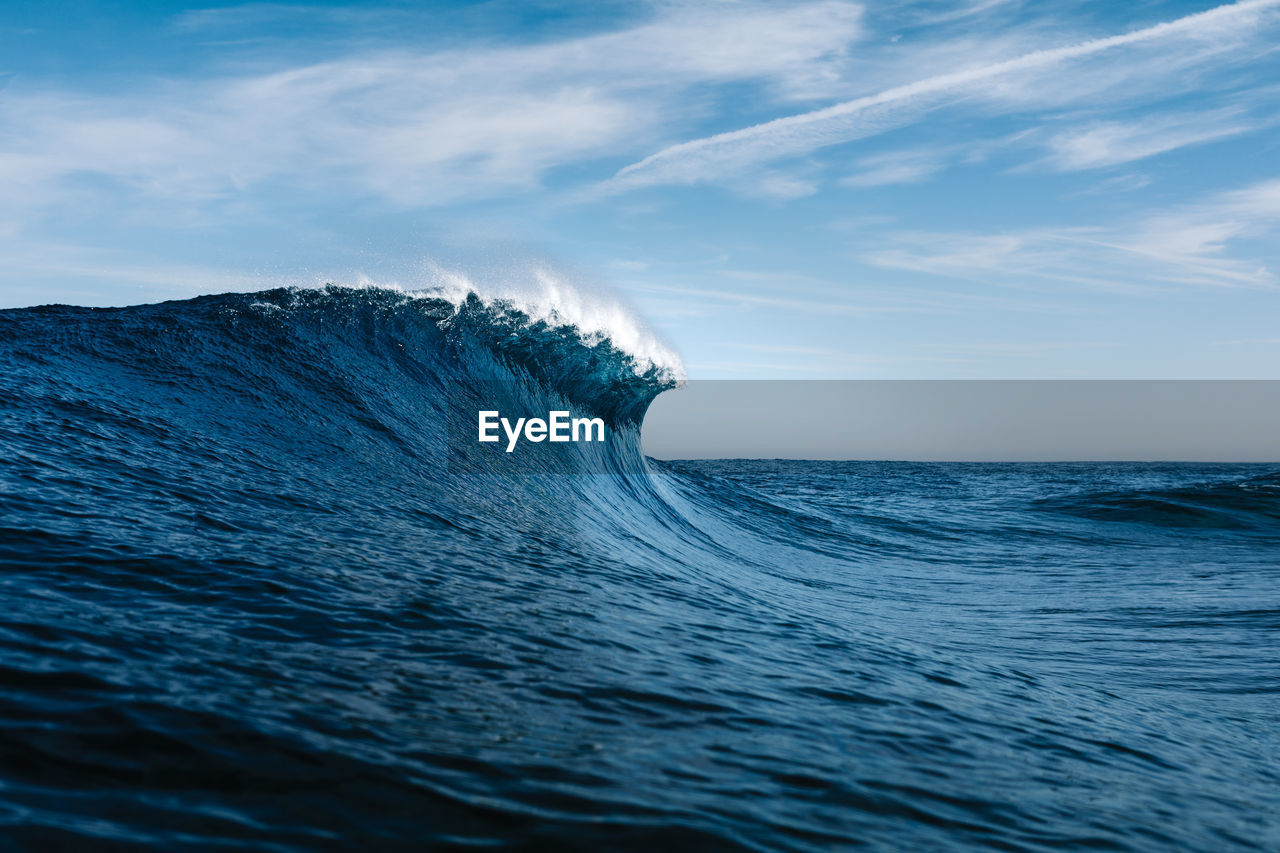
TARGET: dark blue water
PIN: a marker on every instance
(256, 597)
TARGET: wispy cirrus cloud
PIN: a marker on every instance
(1083, 145)
(1188, 245)
(1100, 144)
(81, 273)
(415, 127)
(236, 19)
(897, 167)
(1146, 59)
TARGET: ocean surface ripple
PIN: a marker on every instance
(256, 597)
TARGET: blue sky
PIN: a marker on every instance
(985, 189)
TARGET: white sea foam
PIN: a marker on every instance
(545, 295)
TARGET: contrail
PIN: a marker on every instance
(690, 161)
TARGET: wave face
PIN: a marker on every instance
(256, 596)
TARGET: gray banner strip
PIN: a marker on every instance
(961, 420)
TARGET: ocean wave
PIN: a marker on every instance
(262, 588)
(1240, 503)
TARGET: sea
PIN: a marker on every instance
(259, 593)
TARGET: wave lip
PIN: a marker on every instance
(547, 298)
(586, 369)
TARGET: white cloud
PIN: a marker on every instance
(418, 128)
(238, 18)
(801, 294)
(1189, 245)
(896, 167)
(1193, 241)
(777, 185)
(1119, 184)
(1138, 62)
(1093, 145)
(1102, 144)
(741, 298)
(106, 277)
(972, 8)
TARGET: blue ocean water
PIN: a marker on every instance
(256, 597)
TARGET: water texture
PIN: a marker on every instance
(259, 595)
